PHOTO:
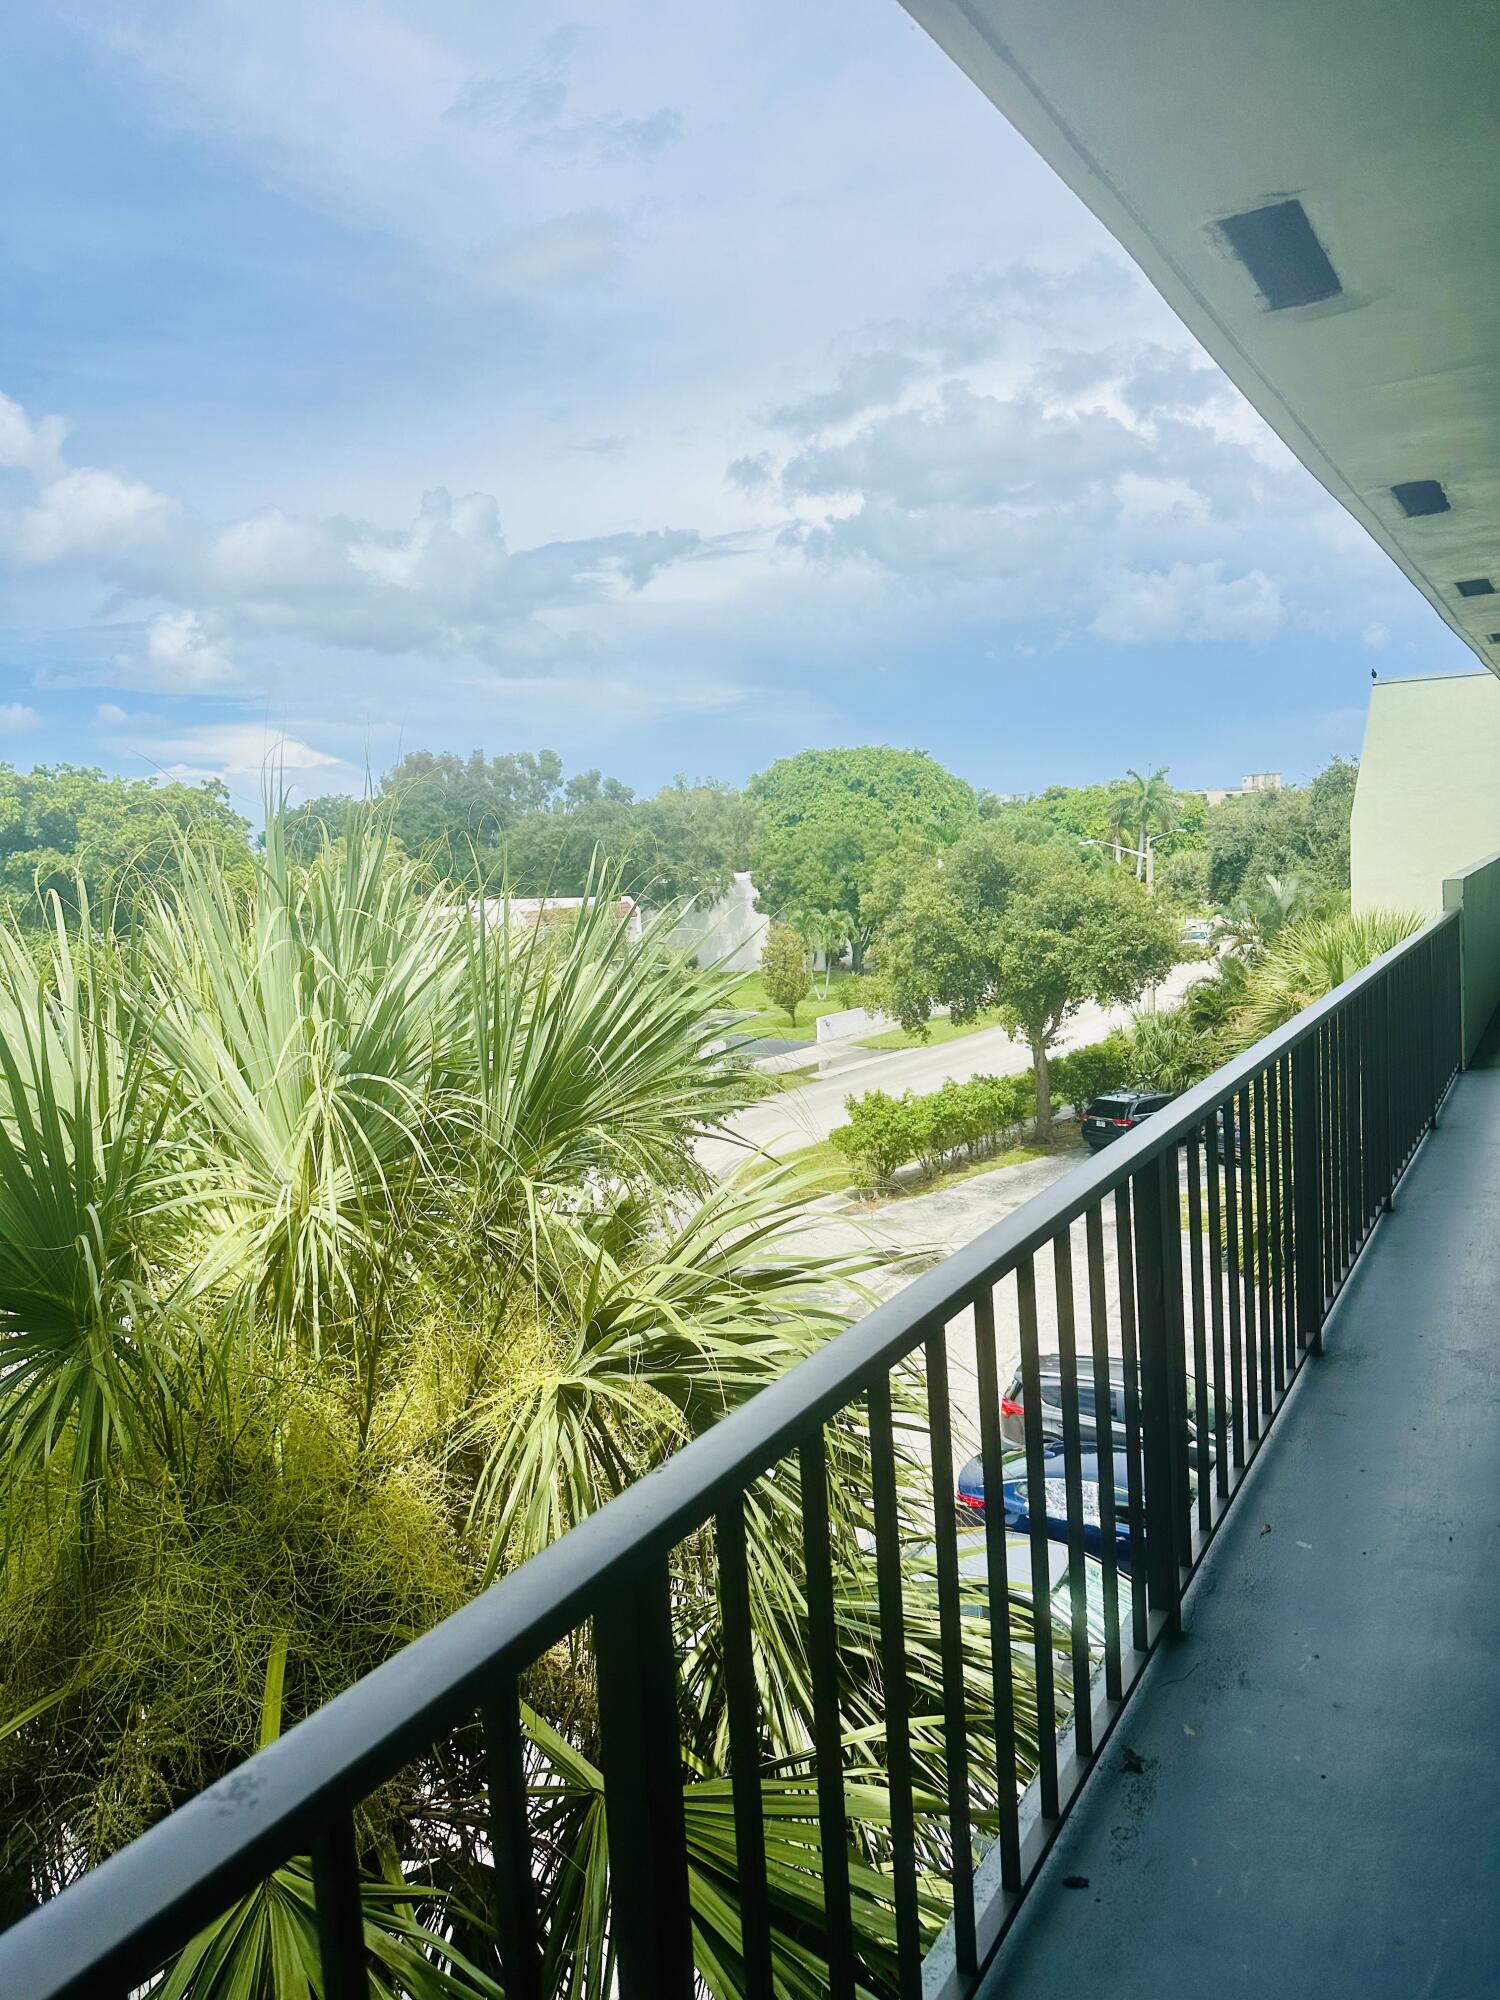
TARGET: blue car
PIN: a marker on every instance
(1054, 1497)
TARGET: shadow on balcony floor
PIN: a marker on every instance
(1304, 1797)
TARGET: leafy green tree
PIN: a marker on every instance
(66, 829)
(514, 820)
(1299, 830)
(1182, 879)
(1028, 931)
(784, 969)
(829, 817)
(825, 931)
(692, 839)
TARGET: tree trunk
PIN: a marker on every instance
(1043, 1068)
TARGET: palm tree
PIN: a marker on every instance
(353, 1246)
(1153, 809)
(1309, 958)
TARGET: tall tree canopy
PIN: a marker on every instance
(73, 832)
(516, 819)
(1302, 830)
(1024, 928)
(830, 817)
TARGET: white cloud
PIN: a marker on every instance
(1376, 636)
(111, 716)
(90, 513)
(181, 657)
(1189, 601)
(15, 716)
(232, 750)
(30, 444)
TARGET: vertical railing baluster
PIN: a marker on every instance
(340, 1911)
(513, 1890)
(950, 1640)
(1307, 1192)
(828, 1747)
(650, 1915)
(1212, 1172)
(745, 1749)
(1163, 1412)
(1201, 1423)
(1131, 1370)
(1287, 1280)
(1263, 1240)
(1036, 1510)
(1104, 1433)
(1002, 1665)
(896, 1689)
(1078, 1590)
(1245, 1116)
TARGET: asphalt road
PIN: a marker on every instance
(798, 1118)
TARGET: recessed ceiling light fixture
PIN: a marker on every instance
(1420, 496)
(1279, 248)
(1475, 586)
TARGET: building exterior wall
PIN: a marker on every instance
(1427, 803)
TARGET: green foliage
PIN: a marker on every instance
(480, 821)
(70, 833)
(1308, 959)
(354, 1247)
(1102, 813)
(1300, 830)
(830, 817)
(884, 1132)
(784, 969)
(1027, 930)
(1182, 879)
(1092, 1070)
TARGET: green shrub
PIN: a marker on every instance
(1089, 1072)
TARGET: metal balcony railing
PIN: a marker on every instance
(1234, 1217)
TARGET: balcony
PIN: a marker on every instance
(1265, 1647)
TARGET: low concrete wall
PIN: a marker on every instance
(1475, 892)
(851, 1022)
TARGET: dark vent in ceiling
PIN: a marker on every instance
(1476, 586)
(1495, 638)
(1279, 249)
(1420, 496)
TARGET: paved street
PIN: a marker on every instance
(799, 1118)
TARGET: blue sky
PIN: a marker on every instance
(671, 386)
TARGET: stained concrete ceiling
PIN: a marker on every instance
(1382, 119)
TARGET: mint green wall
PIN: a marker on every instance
(1428, 799)
(1475, 893)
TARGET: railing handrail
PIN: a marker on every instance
(121, 1918)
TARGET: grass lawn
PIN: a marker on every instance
(750, 995)
(831, 1173)
(939, 1029)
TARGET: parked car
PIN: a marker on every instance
(1106, 1119)
(1054, 1499)
(1049, 1370)
(974, 1576)
(1197, 930)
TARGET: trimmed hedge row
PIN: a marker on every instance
(974, 1118)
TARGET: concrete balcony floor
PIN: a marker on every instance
(1304, 1796)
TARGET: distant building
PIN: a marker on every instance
(1249, 785)
(535, 912)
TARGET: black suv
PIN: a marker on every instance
(1106, 1119)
